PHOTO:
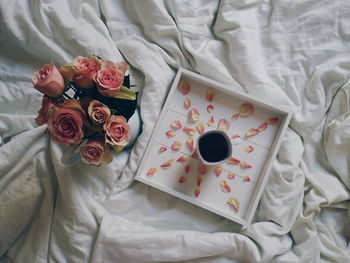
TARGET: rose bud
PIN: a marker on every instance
(98, 112)
(117, 131)
(84, 71)
(48, 80)
(96, 152)
(66, 123)
(110, 78)
(43, 114)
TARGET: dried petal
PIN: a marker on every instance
(246, 178)
(211, 121)
(244, 164)
(234, 203)
(223, 125)
(187, 103)
(190, 131)
(167, 164)
(184, 87)
(162, 149)
(187, 168)
(175, 125)
(233, 160)
(194, 155)
(193, 115)
(190, 143)
(262, 127)
(197, 191)
(249, 149)
(182, 179)
(200, 128)
(199, 180)
(210, 108)
(218, 170)
(202, 169)
(251, 132)
(231, 175)
(246, 109)
(210, 95)
(273, 120)
(182, 159)
(225, 187)
(176, 146)
(170, 134)
(235, 117)
(151, 171)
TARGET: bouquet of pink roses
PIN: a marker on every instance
(87, 101)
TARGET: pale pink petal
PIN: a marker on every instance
(225, 187)
(202, 169)
(170, 134)
(251, 132)
(210, 108)
(249, 149)
(210, 95)
(190, 143)
(187, 168)
(167, 164)
(273, 120)
(223, 125)
(189, 131)
(182, 179)
(200, 128)
(233, 160)
(244, 164)
(151, 171)
(246, 178)
(197, 191)
(211, 121)
(231, 175)
(235, 117)
(194, 155)
(194, 115)
(187, 103)
(234, 203)
(262, 127)
(246, 109)
(236, 139)
(162, 149)
(218, 170)
(176, 146)
(184, 87)
(175, 125)
(182, 159)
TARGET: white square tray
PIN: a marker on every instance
(226, 103)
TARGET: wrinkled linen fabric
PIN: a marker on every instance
(293, 54)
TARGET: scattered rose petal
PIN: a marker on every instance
(182, 159)
(218, 170)
(223, 125)
(200, 128)
(197, 191)
(273, 120)
(202, 169)
(246, 109)
(210, 95)
(175, 125)
(184, 87)
(211, 121)
(187, 103)
(182, 179)
(233, 160)
(249, 149)
(170, 134)
(199, 180)
(244, 164)
(231, 175)
(210, 108)
(187, 168)
(189, 131)
(234, 203)
(167, 164)
(225, 187)
(162, 149)
(235, 117)
(262, 127)
(151, 171)
(194, 115)
(190, 143)
(246, 178)
(251, 132)
(194, 155)
(236, 139)
(176, 146)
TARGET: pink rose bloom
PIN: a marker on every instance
(117, 131)
(43, 114)
(110, 78)
(96, 152)
(48, 80)
(66, 123)
(84, 71)
(98, 112)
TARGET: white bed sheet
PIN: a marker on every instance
(291, 53)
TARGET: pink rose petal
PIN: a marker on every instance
(199, 180)
(244, 164)
(182, 159)
(210, 95)
(167, 164)
(246, 179)
(200, 128)
(184, 87)
(211, 121)
(249, 149)
(189, 131)
(162, 149)
(262, 127)
(202, 169)
(223, 125)
(225, 187)
(175, 125)
(187, 168)
(210, 108)
(235, 117)
(176, 146)
(187, 103)
(182, 179)
(246, 109)
(190, 143)
(194, 155)
(170, 134)
(234, 203)
(252, 132)
(151, 171)
(194, 115)
(197, 191)
(273, 120)
(218, 170)
(231, 175)
(233, 160)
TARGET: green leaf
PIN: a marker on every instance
(118, 148)
(126, 94)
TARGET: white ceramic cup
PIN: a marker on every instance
(214, 147)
